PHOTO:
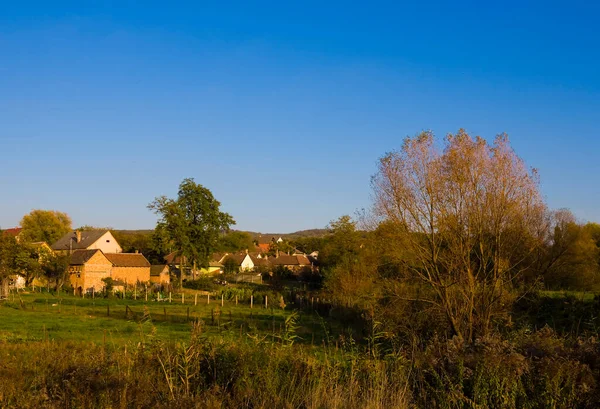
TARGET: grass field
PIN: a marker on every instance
(43, 316)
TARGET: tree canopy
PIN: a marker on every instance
(236, 241)
(471, 214)
(45, 225)
(193, 221)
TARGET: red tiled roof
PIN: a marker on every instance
(264, 246)
(15, 231)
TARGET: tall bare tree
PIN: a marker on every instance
(471, 213)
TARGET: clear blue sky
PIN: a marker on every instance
(282, 109)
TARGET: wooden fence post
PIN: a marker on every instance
(183, 298)
(251, 300)
(236, 300)
(266, 301)
(221, 300)
(169, 296)
(195, 299)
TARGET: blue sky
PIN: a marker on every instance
(282, 109)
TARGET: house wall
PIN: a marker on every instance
(131, 275)
(90, 275)
(163, 278)
(107, 244)
(247, 264)
(209, 270)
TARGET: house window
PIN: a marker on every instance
(108, 241)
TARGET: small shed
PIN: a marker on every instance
(160, 274)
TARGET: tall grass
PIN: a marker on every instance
(204, 372)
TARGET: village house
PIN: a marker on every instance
(214, 265)
(87, 240)
(160, 274)
(264, 243)
(129, 268)
(14, 231)
(295, 263)
(87, 269)
(242, 261)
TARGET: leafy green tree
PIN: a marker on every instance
(236, 241)
(28, 261)
(56, 270)
(309, 244)
(18, 258)
(192, 222)
(282, 247)
(569, 260)
(230, 266)
(45, 225)
(9, 264)
(342, 245)
(87, 227)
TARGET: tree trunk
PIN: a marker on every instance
(3, 288)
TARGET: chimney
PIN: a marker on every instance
(137, 251)
(246, 251)
(78, 236)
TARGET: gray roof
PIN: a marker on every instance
(80, 257)
(69, 240)
(156, 270)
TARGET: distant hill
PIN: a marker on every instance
(142, 231)
(294, 235)
(288, 236)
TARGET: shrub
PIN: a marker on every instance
(201, 283)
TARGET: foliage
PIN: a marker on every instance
(470, 216)
(45, 225)
(9, 249)
(108, 284)
(144, 242)
(56, 269)
(342, 245)
(230, 266)
(192, 222)
(570, 257)
(235, 241)
(201, 283)
(197, 373)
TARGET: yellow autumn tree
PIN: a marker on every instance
(471, 214)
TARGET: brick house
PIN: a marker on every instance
(87, 240)
(130, 268)
(87, 269)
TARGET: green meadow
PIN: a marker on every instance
(34, 316)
